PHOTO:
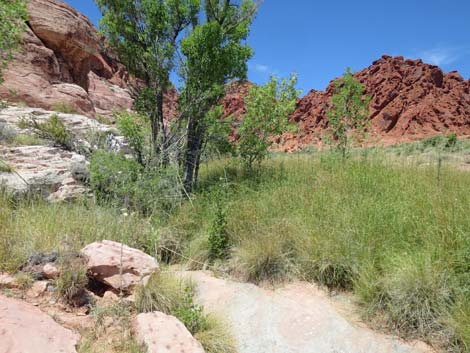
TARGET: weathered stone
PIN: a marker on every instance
(50, 271)
(26, 329)
(8, 281)
(38, 289)
(297, 318)
(163, 333)
(118, 265)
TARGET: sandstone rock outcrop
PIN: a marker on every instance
(25, 328)
(56, 173)
(410, 100)
(165, 333)
(297, 318)
(118, 265)
(64, 61)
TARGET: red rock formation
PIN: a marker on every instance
(65, 61)
(410, 100)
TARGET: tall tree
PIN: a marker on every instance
(146, 34)
(13, 15)
(215, 52)
(349, 112)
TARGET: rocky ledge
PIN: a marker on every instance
(32, 163)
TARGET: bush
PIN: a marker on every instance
(72, 280)
(112, 177)
(416, 295)
(218, 237)
(163, 292)
(53, 129)
(216, 337)
(171, 296)
(136, 131)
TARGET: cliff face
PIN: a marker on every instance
(64, 60)
(410, 100)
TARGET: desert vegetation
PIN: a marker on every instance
(394, 234)
(204, 190)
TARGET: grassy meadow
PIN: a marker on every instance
(393, 230)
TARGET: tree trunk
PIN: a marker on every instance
(164, 138)
(192, 155)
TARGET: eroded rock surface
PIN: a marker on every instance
(410, 100)
(42, 169)
(58, 174)
(26, 329)
(65, 61)
(297, 318)
(164, 333)
(118, 265)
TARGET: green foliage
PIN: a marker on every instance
(216, 337)
(146, 34)
(163, 292)
(267, 111)
(190, 314)
(52, 129)
(13, 14)
(5, 167)
(125, 183)
(218, 237)
(64, 107)
(349, 112)
(171, 296)
(29, 226)
(215, 51)
(72, 279)
(112, 177)
(135, 129)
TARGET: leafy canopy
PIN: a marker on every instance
(145, 33)
(13, 15)
(349, 112)
(267, 111)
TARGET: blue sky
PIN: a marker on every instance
(318, 39)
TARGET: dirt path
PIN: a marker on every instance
(298, 318)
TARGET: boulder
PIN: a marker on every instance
(38, 289)
(8, 281)
(118, 265)
(163, 333)
(26, 329)
(61, 58)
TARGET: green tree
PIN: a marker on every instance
(215, 53)
(13, 15)
(267, 111)
(146, 34)
(349, 112)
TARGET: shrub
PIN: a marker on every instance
(263, 258)
(163, 292)
(451, 140)
(460, 322)
(5, 167)
(171, 296)
(53, 129)
(416, 295)
(267, 111)
(136, 130)
(218, 237)
(216, 337)
(348, 113)
(72, 279)
(112, 177)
